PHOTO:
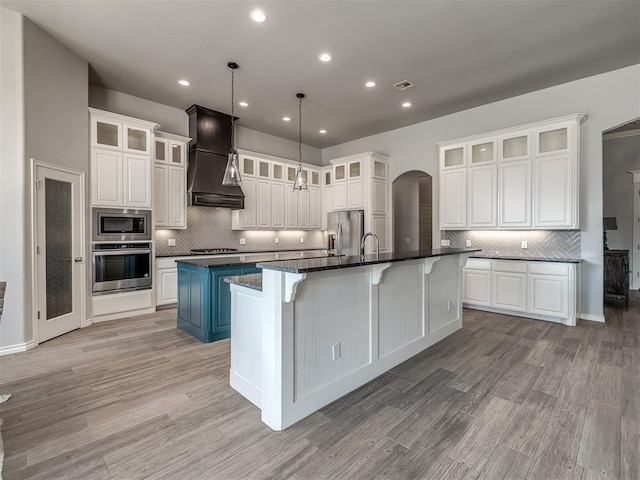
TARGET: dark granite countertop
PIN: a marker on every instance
(238, 260)
(191, 254)
(304, 265)
(528, 259)
(252, 281)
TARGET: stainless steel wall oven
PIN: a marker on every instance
(120, 267)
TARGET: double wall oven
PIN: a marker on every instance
(121, 250)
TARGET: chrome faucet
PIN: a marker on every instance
(364, 239)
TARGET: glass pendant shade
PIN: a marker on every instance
(300, 182)
(232, 176)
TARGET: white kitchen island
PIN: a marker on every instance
(309, 331)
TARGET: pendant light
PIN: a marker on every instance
(232, 172)
(300, 182)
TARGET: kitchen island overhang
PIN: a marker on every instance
(320, 328)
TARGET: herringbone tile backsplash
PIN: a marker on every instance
(540, 243)
(209, 227)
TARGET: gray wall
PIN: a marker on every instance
(609, 100)
(619, 155)
(14, 329)
(50, 88)
(174, 120)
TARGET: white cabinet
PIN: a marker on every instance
(263, 207)
(514, 194)
(453, 199)
(327, 195)
(482, 196)
(315, 208)
(542, 290)
(246, 218)
(277, 204)
(476, 284)
(517, 178)
(359, 182)
(554, 184)
(107, 185)
(509, 285)
(121, 174)
(170, 176)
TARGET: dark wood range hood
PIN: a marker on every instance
(209, 148)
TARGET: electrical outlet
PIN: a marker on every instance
(445, 243)
(336, 351)
(468, 243)
(277, 240)
(407, 240)
(171, 242)
(243, 241)
(524, 244)
(301, 239)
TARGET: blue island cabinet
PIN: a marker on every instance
(204, 300)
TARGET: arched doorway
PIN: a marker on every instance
(412, 194)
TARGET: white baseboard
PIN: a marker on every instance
(19, 347)
(591, 317)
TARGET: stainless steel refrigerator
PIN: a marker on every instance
(344, 231)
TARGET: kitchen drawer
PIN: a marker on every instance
(513, 266)
(543, 268)
(479, 264)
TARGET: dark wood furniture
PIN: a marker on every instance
(616, 274)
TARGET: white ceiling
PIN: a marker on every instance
(459, 54)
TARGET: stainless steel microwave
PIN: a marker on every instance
(121, 225)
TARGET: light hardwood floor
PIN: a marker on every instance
(503, 398)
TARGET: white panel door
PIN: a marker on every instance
(106, 178)
(548, 295)
(514, 194)
(277, 205)
(340, 196)
(355, 194)
(509, 291)
(315, 208)
(453, 199)
(379, 197)
(291, 205)
(167, 286)
(177, 197)
(248, 214)
(327, 205)
(482, 196)
(303, 208)
(553, 192)
(380, 223)
(161, 196)
(476, 287)
(137, 181)
(263, 206)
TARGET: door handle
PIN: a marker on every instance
(77, 259)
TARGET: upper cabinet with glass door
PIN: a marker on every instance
(453, 156)
(118, 132)
(170, 149)
(482, 152)
(515, 146)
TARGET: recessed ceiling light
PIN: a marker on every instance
(243, 104)
(406, 104)
(325, 57)
(286, 119)
(184, 83)
(370, 84)
(258, 16)
(323, 131)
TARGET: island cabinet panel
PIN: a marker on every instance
(204, 300)
(400, 308)
(320, 325)
(444, 287)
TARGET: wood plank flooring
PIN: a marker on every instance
(503, 398)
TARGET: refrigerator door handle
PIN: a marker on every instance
(339, 239)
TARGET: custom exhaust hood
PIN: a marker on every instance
(208, 151)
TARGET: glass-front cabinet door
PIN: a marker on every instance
(136, 140)
(248, 166)
(354, 169)
(340, 172)
(315, 178)
(106, 134)
(553, 141)
(453, 157)
(176, 153)
(160, 150)
(263, 169)
(277, 172)
(517, 147)
(484, 152)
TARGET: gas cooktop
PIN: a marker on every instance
(204, 251)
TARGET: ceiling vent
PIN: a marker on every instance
(403, 85)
